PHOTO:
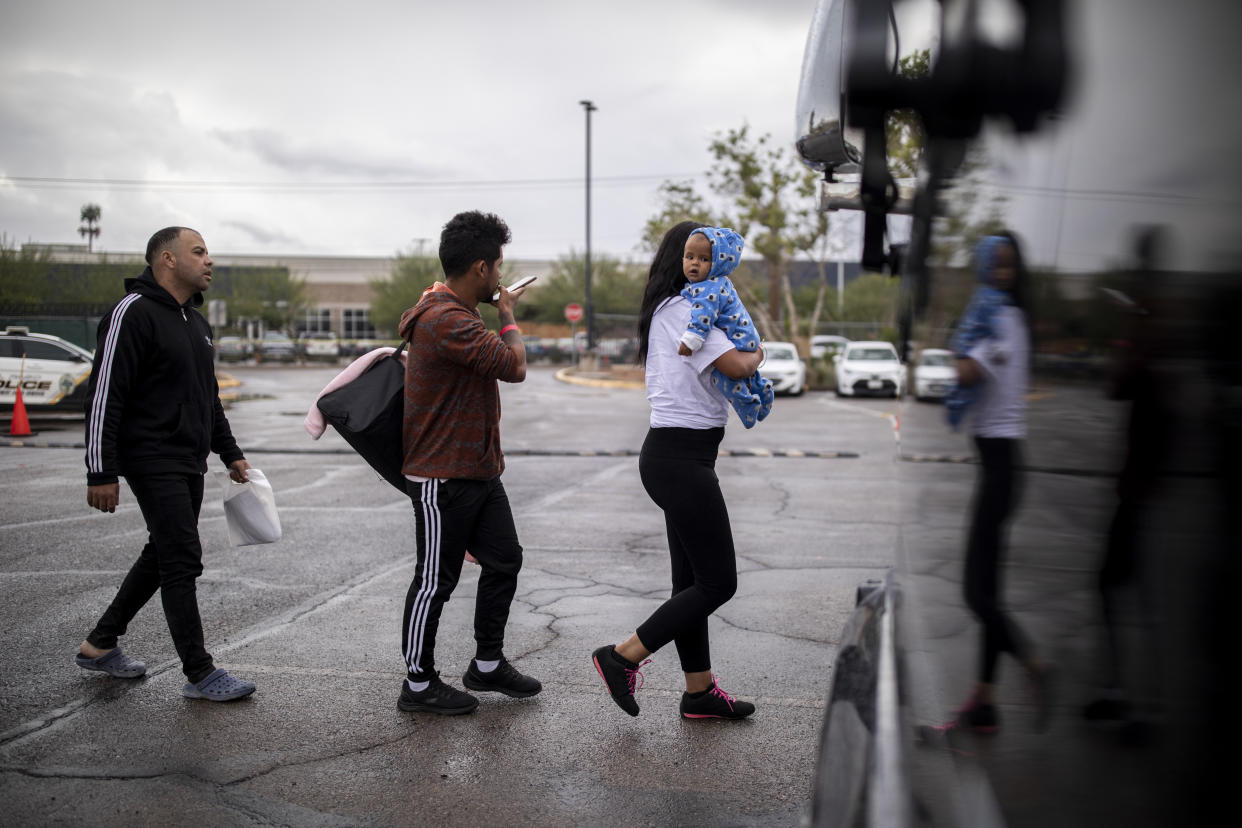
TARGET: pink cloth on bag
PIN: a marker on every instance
(314, 422)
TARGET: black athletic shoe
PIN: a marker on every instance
(714, 703)
(620, 675)
(975, 717)
(504, 679)
(437, 698)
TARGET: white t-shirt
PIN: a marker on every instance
(680, 388)
(1005, 358)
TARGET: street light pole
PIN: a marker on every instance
(590, 310)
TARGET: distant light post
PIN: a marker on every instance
(590, 310)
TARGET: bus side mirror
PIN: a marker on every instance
(823, 140)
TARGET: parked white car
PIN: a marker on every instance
(321, 346)
(870, 368)
(934, 374)
(783, 366)
(823, 345)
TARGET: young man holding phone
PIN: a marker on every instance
(453, 463)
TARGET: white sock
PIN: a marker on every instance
(417, 686)
(486, 666)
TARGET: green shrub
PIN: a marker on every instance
(820, 374)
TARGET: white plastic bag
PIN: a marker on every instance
(250, 510)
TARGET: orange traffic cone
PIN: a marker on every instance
(20, 426)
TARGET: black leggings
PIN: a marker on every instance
(995, 500)
(677, 466)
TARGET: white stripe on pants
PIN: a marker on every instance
(431, 575)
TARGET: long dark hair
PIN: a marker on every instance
(665, 280)
(1019, 293)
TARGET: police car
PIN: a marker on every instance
(52, 372)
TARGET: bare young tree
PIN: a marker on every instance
(768, 198)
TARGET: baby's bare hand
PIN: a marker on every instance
(684, 350)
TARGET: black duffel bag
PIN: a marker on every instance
(368, 412)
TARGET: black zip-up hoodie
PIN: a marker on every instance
(153, 405)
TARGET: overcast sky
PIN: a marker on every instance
(429, 107)
(360, 128)
(1151, 135)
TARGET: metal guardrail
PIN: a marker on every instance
(862, 775)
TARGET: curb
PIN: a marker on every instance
(566, 375)
(225, 380)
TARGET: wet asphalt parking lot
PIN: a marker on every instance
(314, 621)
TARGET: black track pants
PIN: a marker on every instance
(170, 563)
(451, 518)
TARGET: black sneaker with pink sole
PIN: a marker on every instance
(975, 717)
(621, 676)
(714, 703)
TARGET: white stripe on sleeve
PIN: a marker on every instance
(99, 406)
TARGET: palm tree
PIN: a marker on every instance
(90, 215)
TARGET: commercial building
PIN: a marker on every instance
(338, 288)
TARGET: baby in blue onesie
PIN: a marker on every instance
(711, 255)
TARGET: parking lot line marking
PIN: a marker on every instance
(855, 409)
(345, 451)
(124, 508)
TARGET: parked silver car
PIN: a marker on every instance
(276, 347)
(233, 349)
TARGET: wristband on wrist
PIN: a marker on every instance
(507, 328)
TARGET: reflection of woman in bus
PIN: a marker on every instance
(996, 367)
(677, 466)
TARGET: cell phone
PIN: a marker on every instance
(520, 283)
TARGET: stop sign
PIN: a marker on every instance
(573, 312)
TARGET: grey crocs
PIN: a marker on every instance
(219, 686)
(114, 663)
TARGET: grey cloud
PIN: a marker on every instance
(346, 100)
(58, 123)
(346, 160)
(263, 235)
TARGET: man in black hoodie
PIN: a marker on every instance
(153, 413)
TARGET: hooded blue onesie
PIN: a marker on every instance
(714, 302)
